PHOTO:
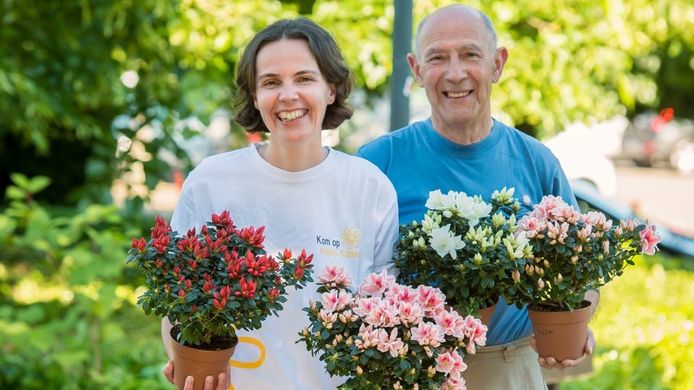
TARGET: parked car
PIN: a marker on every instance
(584, 151)
(659, 139)
(672, 242)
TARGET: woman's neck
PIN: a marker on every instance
(293, 158)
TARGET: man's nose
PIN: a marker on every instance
(456, 70)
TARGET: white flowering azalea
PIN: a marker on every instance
(471, 251)
(443, 241)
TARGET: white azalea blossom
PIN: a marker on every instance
(438, 201)
(443, 241)
(472, 209)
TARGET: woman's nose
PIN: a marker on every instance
(288, 92)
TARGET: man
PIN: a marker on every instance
(461, 147)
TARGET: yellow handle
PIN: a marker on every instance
(249, 365)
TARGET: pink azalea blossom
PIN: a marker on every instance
(400, 293)
(450, 363)
(335, 275)
(452, 323)
(431, 299)
(364, 306)
(427, 333)
(649, 240)
(477, 333)
(531, 225)
(411, 313)
(454, 384)
(376, 283)
(392, 344)
(336, 300)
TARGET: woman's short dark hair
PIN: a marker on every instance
(328, 57)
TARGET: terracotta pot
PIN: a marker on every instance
(486, 314)
(199, 363)
(561, 334)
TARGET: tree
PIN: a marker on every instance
(92, 85)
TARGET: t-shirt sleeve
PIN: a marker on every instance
(183, 217)
(377, 152)
(562, 187)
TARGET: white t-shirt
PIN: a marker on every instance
(343, 210)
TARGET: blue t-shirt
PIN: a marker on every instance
(418, 160)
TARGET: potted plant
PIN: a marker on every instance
(573, 252)
(209, 284)
(466, 247)
(389, 336)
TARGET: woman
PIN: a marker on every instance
(292, 82)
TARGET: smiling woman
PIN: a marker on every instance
(293, 83)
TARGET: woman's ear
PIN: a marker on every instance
(331, 96)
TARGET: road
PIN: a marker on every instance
(661, 195)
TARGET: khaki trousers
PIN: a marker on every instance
(511, 366)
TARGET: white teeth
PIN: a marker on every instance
(291, 115)
(457, 94)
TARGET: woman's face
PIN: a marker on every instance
(291, 93)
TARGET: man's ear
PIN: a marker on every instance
(500, 58)
(414, 65)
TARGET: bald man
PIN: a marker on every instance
(460, 147)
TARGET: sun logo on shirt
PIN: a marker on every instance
(351, 237)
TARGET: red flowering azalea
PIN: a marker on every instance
(222, 275)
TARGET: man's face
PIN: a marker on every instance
(457, 65)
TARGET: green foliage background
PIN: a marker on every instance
(67, 314)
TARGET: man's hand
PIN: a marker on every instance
(550, 362)
(222, 382)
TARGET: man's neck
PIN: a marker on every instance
(464, 133)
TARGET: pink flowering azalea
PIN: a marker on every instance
(427, 333)
(649, 240)
(377, 283)
(336, 275)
